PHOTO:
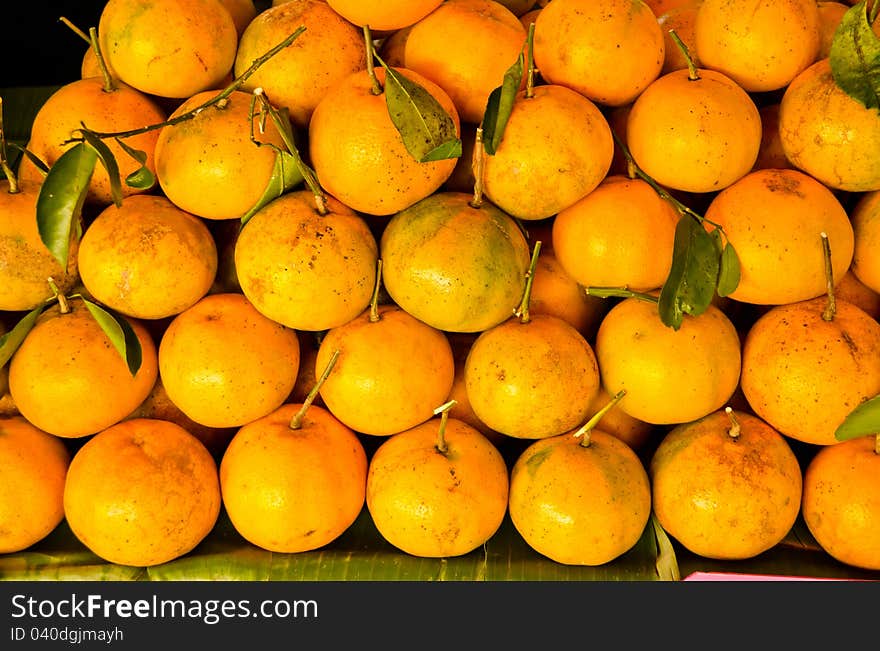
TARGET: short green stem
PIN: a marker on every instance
(693, 74)
(443, 411)
(374, 300)
(584, 430)
(831, 306)
(297, 420)
(479, 153)
(523, 310)
(619, 292)
(530, 62)
(109, 83)
(375, 86)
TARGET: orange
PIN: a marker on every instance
(87, 102)
(200, 160)
(297, 77)
(762, 46)
(142, 492)
(670, 376)
(528, 18)
(771, 154)
(531, 378)
(619, 235)
(148, 258)
(306, 270)
(830, 15)
(456, 267)
(865, 218)
(681, 17)
(518, 7)
(462, 409)
(437, 497)
(364, 163)
(850, 288)
(828, 134)
(726, 489)
(696, 135)
(392, 372)
(632, 431)
(69, 380)
(384, 15)
(224, 364)
(840, 502)
(804, 374)
(580, 500)
(774, 219)
(242, 12)
(25, 262)
(290, 489)
(608, 51)
(463, 46)
(168, 48)
(31, 485)
(556, 148)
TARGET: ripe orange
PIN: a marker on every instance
(850, 288)
(726, 489)
(364, 163)
(619, 235)
(384, 15)
(31, 485)
(200, 160)
(696, 135)
(462, 409)
(242, 12)
(608, 51)
(670, 376)
(771, 154)
(556, 138)
(69, 380)
(142, 492)
(865, 218)
(297, 77)
(774, 219)
(290, 489)
(224, 364)
(580, 500)
(840, 503)
(147, 258)
(632, 431)
(761, 46)
(306, 270)
(830, 15)
(25, 262)
(804, 374)
(393, 371)
(434, 497)
(168, 48)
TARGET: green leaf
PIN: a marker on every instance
(142, 178)
(667, 564)
(61, 199)
(285, 175)
(108, 160)
(729, 272)
(10, 341)
(500, 105)
(855, 57)
(120, 334)
(864, 420)
(690, 286)
(427, 130)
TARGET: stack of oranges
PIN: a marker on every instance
(313, 258)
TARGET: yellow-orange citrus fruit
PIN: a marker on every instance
(555, 138)
(224, 364)
(609, 50)
(724, 490)
(147, 258)
(168, 48)
(804, 374)
(774, 218)
(86, 102)
(518, 7)
(830, 15)
(242, 12)
(670, 376)
(297, 77)
(618, 235)
(142, 492)
(208, 165)
(433, 502)
(463, 46)
(392, 372)
(760, 45)
(680, 17)
(25, 262)
(31, 485)
(696, 135)
(293, 490)
(462, 409)
(68, 379)
(303, 269)
(632, 431)
(865, 218)
(580, 504)
(828, 134)
(384, 15)
(841, 503)
(456, 267)
(771, 154)
(531, 379)
(364, 163)
(850, 288)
